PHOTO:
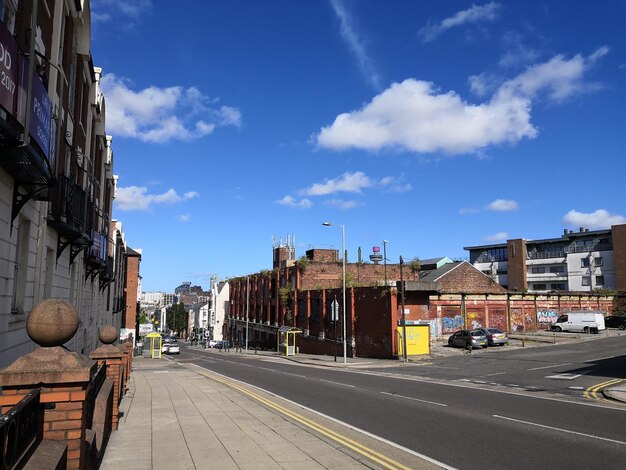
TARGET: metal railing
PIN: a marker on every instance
(20, 430)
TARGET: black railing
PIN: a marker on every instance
(20, 430)
(70, 205)
(92, 392)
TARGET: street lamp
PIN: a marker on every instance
(343, 251)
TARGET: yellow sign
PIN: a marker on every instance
(417, 340)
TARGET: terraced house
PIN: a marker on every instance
(56, 175)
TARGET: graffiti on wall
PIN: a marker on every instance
(517, 319)
(452, 323)
(435, 327)
(476, 318)
(497, 319)
(547, 316)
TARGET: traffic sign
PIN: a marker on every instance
(334, 310)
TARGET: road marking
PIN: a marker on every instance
(563, 376)
(513, 385)
(414, 399)
(265, 368)
(495, 373)
(576, 388)
(562, 430)
(295, 375)
(600, 359)
(371, 454)
(548, 367)
(336, 383)
(592, 391)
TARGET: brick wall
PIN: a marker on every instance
(517, 265)
(619, 256)
(132, 281)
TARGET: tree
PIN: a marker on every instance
(176, 317)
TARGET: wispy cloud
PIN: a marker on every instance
(355, 43)
(517, 53)
(497, 237)
(343, 204)
(348, 183)
(415, 116)
(104, 11)
(137, 198)
(502, 205)
(290, 201)
(159, 115)
(599, 219)
(184, 218)
(474, 14)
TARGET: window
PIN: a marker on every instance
(8, 9)
(20, 267)
(599, 280)
(502, 272)
(597, 261)
(539, 287)
(586, 280)
(557, 269)
(584, 263)
(559, 286)
(539, 270)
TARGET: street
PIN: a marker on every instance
(522, 419)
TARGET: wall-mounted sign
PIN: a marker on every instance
(8, 71)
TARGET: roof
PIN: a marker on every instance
(433, 275)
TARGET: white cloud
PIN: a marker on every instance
(184, 218)
(598, 219)
(290, 201)
(159, 115)
(474, 14)
(343, 204)
(502, 205)
(348, 183)
(394, 184)
(413, 115)
(137, 198)
(355, 43)
(517, 52)
(497, 237)
(103, 10)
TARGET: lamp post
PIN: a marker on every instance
(404, 352)
(343, 250)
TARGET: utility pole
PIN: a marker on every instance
(404, 354)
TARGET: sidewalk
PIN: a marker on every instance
(182, 417)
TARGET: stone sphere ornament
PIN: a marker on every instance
(52, 322)
(107, 334)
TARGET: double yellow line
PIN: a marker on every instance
(371, 454)
(592, 392)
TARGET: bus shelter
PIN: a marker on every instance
(286, 340)
(155, 342)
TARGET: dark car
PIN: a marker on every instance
(468, 339)
(615, 322)
(495, 336)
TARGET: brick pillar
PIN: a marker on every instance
(115, 366)
(127, 355)
(63, 378)
(518, 280)
(619, 255)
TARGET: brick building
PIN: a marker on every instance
(449, 295)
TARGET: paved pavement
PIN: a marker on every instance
(183, 417)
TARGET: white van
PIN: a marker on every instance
(587, 321)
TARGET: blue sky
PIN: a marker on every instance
(433, 125)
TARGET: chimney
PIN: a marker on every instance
(581, 229)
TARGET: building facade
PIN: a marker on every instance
(581, 261)
(56, 175)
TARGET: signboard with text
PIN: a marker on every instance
(8, 71)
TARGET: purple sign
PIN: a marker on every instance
(8, 70)
(40, 108)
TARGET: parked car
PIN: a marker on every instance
(616, 321)
(468, 339)
(166, 345)
(495, 336)
(173, 348)
(213, 343)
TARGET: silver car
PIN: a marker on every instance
(495, 336)
(469, 339)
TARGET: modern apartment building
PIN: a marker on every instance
(581, 261)
(57, 237)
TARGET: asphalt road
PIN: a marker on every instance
(461, 424)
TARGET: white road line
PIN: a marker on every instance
(414, 399)
(576, 388)
(295, 375)
(561, 430)
(600, 359)
(337, 383)
(563, 376)
(548, 367)
(495, 373)
(265, 368)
